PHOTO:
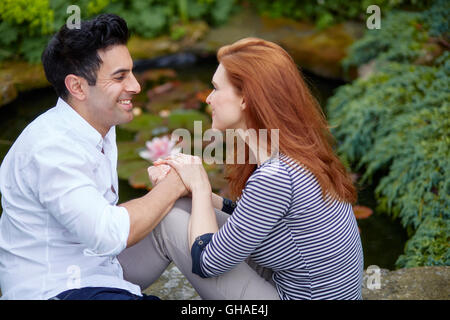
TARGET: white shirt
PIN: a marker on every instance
(60, 228)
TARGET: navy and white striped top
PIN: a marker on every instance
(282, 222)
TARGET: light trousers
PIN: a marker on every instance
(144, 262)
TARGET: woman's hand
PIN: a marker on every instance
(190, 169)
(193, 174)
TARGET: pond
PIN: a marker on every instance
(383, 239)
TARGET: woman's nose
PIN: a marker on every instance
(208, 98)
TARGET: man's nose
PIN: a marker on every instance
(133, 85)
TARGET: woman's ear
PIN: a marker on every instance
(75, 86)
(243, 105)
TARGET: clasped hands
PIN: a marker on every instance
(189, 168)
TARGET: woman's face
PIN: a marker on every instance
(227, 106)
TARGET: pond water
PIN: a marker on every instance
(383, 239)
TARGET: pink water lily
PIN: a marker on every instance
(159, 148)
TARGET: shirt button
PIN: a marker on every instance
(200, 242)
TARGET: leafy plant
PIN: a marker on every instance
(326, 13)
(404, 37)
(27, 25)
(394, 126)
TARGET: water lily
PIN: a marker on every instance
(159, 148)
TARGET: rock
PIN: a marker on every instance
(8, 92)
(366, 70)
(141, 48)
(421, 283)
(319, 51)
(17, 76)
(172, 285)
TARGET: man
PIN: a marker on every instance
(61, 228)
(62, 234)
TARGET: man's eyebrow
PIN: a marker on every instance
(120, 71)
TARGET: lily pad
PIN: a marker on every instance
(126, 169)
(143, 122)
(140, 179)
(185, 119)
(128, 150)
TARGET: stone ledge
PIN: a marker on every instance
(421, 283)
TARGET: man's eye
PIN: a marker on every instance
(120, 78)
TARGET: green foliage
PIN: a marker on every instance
(151, 18)
(32, 14)
(23, 26)
(436, 19)
(395, 126)
(404, 36)
(326, 13)
(430, 245)
(399, 39)
(398, 121)
(27, 25)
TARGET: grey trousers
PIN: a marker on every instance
(144, 262)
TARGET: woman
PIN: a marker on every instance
(294, 215)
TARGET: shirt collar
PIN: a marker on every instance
(82, 127)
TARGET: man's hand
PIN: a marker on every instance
(157, 173)
(175, 183)
(146, 212)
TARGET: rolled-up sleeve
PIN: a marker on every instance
(228, 206)
(196, 253)
(65, 185)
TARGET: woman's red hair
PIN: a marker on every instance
(277, 97)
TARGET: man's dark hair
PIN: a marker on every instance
(75, 51)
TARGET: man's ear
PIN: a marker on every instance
(76, 86)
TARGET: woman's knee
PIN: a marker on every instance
(177, 219)
(184, 203)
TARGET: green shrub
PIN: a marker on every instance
(404, 36)
(395, 124)
(429, 246)
(326, 13)
(27, 25)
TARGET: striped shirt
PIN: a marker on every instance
(283, 223)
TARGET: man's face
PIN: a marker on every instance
(109, 101)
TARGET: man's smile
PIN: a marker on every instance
(125, 104)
